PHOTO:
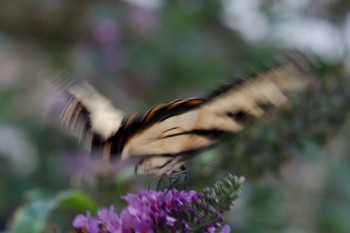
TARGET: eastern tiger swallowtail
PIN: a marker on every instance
(165, 138)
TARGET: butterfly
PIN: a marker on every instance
(170, 134)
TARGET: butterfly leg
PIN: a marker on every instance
(177, 178)
(172, 182)
(157, 181)
(187, 177)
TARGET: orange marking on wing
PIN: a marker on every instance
(76, 113)
(107, 151)
(176, 103)
(70, 111)
(153, 111)
(195, 102)
(130, 119)
(81, 130)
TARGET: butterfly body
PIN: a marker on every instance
(166, 137)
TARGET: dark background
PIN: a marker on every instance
(140, 53)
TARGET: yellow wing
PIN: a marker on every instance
(91, 117)
(198, 123)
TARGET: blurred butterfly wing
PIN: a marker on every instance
(224, 111)
(90, 116)
(229, 108)
(167, 135)
(161, 165)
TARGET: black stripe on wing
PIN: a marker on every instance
(76, 120)
(165, 110)
(303, 64)
(161, 112)
(135, 123)
(208, 133)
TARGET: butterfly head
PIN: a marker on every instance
(161, 166)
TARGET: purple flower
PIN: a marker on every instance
(146, 21)
(81, 166)
(111, 220)
(86, 222)
(107, 32)
(149, 211)
(226, 229)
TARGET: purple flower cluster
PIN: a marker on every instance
(150, 211)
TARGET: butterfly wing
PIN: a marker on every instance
(170, 131)
(198, 123)
(161, 165)
(90, 116)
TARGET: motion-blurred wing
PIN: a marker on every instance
(198, 123)
(90, 116)
(161, 165)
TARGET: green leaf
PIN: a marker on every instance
(32, 217)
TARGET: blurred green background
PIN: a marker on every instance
(142, 52)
